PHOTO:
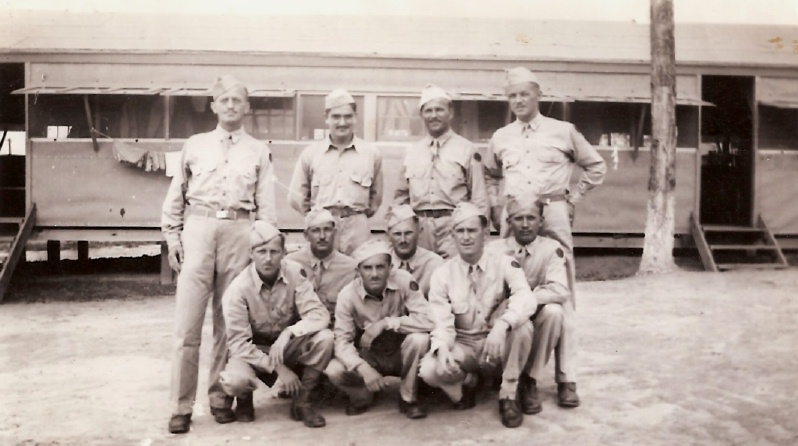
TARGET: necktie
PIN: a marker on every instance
(473, 278)
(435, 145)
(318, 270)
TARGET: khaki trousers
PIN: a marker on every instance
(554, 331)
(435, 234)
(215, 252)
(313, 350)
(352, 232)
(468, 352)
(404, 362)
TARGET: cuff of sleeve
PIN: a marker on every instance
(511, 318)
(264, 364)
(297, 331)
(393, 323)
(575, 198)
(437, 344)
(353, 364)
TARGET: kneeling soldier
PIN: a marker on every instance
(481, 304)
(276, 328)
(382, 324)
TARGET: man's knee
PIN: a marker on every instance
(335, 370)
(235, 384)
(551, 312)
(324, 338)
(416, 342)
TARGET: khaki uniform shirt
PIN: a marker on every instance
(539, 160)
(220, 171)
(256, 314)
(423, 263)
(328, 275)
(439, 173)
(501, 291)
(543, 262)
(327, 176)
(402, 306)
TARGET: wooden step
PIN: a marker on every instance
(743, 247)
(728, 266)
(726, 228)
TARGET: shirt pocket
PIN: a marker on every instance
(463, 314)
(203, 168)
(452, 170)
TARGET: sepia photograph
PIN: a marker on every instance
(398, 222)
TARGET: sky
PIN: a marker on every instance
(782, 12)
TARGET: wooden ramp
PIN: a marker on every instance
(13, 239)
(724, 247)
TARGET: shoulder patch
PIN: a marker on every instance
(560, 253)
(477, 157)
(413, 285)
(303, 273)
(515, 264)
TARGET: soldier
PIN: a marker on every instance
(342, 174)
(543, 262)
(438, 172)
(481, 305)
(382, 324)
(403, 230)
(276, 326)
(535, 155)
(329, 269)
(226, 178)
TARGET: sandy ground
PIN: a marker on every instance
(683, 358)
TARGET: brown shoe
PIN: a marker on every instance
(223, 415)
(468, 400)
(179, 424)
(511, 415)
(352, 409)
(412, 410)
(306, 414)
(245, 408)
(528, 398)
(566, 395)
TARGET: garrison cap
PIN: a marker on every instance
(464, 211)
(431, 92)
(524, 203)
(262, 232)
(337, 98)
(370, 249)
(224, 84)
(519, 75)
(398, 214)
(317, 217)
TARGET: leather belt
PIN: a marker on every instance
(343, 211)
(228, 214)
(549, 198)
(434, 213)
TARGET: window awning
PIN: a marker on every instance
(579, 98)
(164, 91)
(777, 92)
(502, 97)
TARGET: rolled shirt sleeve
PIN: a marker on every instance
(174, 205)
(299, 189)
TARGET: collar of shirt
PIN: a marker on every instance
(396, 260)
(352, 145)
(443, 139)
(325, 262)
(534, 124)
(259, 282)
(482, 263)
(361, 290)
(235, 135)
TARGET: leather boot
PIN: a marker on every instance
(301, 407)
(567, 396)
(511, 415)
(245, 408)
(528, 398)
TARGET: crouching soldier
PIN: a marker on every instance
(276, 328)
(481, 305)
(382, 324)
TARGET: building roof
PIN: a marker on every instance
(392, 37)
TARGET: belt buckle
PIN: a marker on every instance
(546, 200)
(223, 215)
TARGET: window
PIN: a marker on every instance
(118, 116)
(271, 118)
(778, 128)
(190, 115)
(313, 124)
(398, 119)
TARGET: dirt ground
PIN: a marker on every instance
(683, 358)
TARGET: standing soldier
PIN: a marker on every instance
(481, 305)
(225, 179)
(535, 155)
(543, 262)
(329, 270)
(403, 229)
(382, 324)
(438, 172)
(342, 174)
(277, 327)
